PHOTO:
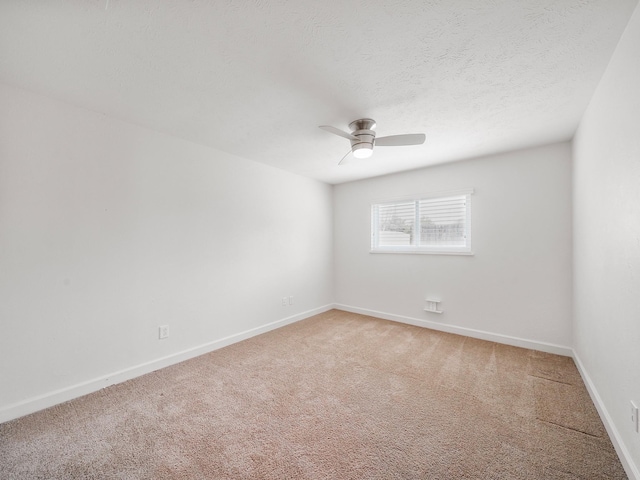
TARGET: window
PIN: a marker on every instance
(425, 224)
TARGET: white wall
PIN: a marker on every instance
(607, 238)
(108, 230)
(518, 283)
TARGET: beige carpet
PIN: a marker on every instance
(337, 396)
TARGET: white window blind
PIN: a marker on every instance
(396, 222)
(430, 224)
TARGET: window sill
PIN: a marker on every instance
(422, 252)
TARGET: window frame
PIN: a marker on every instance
(418, 249)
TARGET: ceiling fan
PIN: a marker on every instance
(363, 138)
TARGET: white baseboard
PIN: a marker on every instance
(56, 397)
(627, 462)
(467, 332)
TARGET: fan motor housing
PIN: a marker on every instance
(364, 130)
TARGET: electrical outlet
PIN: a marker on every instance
(634, 416)
(285, 302)
(291, 300)
(163, 331)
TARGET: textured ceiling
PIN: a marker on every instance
(256, 78)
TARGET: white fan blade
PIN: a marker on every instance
(400, 140)
(337, 131)
(348, 153)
